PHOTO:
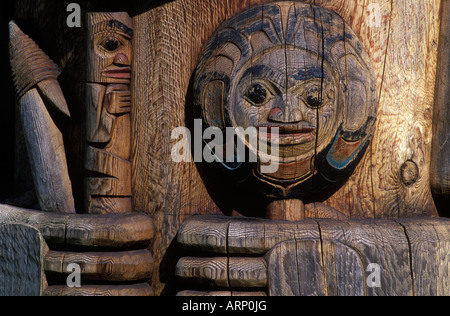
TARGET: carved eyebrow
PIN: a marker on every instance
(114, 25)
(309, 73)
(266, 72)
(119, 25)
(278, 77)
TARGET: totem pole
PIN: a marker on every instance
(108, 102)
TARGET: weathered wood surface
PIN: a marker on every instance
(440, 156)
(317, 257)
(110, 249)
(47, 156)
(35, 77)
(143, 289)
(292, 210)
(167, 45)
(405, 74)
(22, 252)
(296, 75)
(108, 231)
(32, 68)
(315, 268)
(124, 266)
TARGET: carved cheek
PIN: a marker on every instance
(248, 115)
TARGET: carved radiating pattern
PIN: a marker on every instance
(29, 64)
(108, 103)
(300, 68)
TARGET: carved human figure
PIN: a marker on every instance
(300, 76)
(108, 182)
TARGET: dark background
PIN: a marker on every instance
(7, 117)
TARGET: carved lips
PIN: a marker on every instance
(287, 135)
(118, 72)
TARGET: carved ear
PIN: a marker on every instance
(358, 86)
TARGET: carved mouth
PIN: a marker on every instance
(117, 72)
(287, 135)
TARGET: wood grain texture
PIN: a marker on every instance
(143, 289)
(22, 252)
(122, 266)
(318, 257)
(405, 65)
(109, 230)
(47, 156)
(382, 242)
(108, 106)
(404, 71)
(168, 42)
(289, 210)
(430, 251)
(309, 268)
(439, 169)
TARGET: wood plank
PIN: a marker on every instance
(381, 242)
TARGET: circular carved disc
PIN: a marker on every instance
(294, 83)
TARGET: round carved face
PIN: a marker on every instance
(290, 90)
(296, 78)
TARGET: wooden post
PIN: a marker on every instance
(288, 210)
(440, 155)
(108, 102)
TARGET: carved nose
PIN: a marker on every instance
(289, 113)
(121, 60)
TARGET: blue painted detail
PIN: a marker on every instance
(342, 164)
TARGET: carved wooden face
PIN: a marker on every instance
(299, 69)
(290, 90)
(110, 50)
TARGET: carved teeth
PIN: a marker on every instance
(32, 67)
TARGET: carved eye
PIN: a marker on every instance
(314, 102)
(312, 96)
(111, 44)
(257, 94)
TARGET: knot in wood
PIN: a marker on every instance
(409, 172)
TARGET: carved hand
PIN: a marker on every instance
(236, 255)
(118, 98)
(110, 250)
